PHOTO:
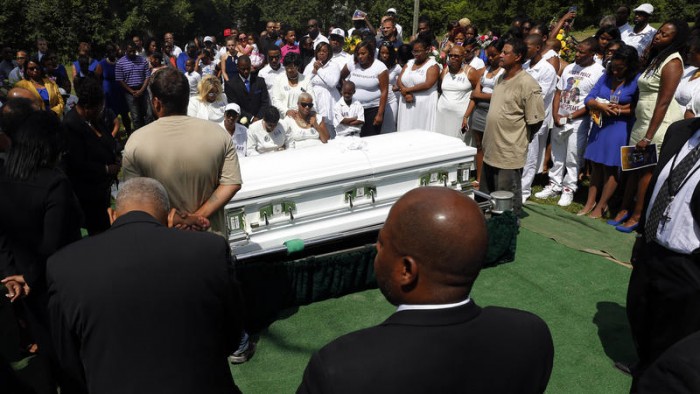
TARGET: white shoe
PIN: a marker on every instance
(547, 192)
(567, 196)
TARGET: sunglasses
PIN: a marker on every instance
(307, 105)
(32, 68)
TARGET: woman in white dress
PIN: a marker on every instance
(307, 127)
(456, 82)
(419, 95)
(210, 102)
(387, 55)
(324, 76)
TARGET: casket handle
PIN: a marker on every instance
(267, 222)
(291, 213)
(372, 192)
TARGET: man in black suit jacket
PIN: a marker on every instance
(143, 308)
(429, 253)
(663, 297)
(253, 99)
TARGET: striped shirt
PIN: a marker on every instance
(132, 72)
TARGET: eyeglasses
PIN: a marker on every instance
(417, 51)
(273, 57)
(307, 105)
(453, 55)
(21, 57)
(32, 68)
(311, 26)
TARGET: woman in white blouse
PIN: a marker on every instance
(210, 102)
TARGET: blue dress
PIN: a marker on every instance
(114, 93)
(604, 142)
(91, 67)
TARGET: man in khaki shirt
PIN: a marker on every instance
(516, 113)
(194, 159)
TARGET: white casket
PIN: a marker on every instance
(345, 187)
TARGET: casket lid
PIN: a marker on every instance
(345, 159)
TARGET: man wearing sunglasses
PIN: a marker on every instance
(16, 74)
(314, 31)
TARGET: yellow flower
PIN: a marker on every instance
(560, 36)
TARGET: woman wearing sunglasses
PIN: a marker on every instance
(307, 128)
(42, 87)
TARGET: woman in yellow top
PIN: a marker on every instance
(42, 87)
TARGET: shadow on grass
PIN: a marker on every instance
(614, 332)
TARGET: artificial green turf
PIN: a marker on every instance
(581, 296)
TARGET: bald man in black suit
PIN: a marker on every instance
(429, 253)
(143, 308)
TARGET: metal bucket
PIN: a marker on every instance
(502, 201)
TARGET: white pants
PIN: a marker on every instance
(568, 144)
(535, 154)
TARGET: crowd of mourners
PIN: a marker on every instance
(291, 88)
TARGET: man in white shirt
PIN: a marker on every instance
(642, 33)
(169, 38)
(273, 69)
(622, 16)
(571, 122)
(267, 135)
(546, 77)
(337, 39)
(663, 296)
(314, 31)
(238, 132)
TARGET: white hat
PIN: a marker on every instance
(645, 8)
(391, 10)
(234, 107)
(338, 32)
(208, 38)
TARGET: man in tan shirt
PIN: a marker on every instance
(194, 159)
(516, 113)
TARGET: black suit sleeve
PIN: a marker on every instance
(233, 302)
(230, 93)
(61, 218)
(314, 380)
(66, 342)
(7, 260)
(264, 98)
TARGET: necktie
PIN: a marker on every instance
(668, 191)
(247, 85)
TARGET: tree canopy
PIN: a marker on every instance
(65, 23)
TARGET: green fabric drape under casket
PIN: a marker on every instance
(271, 286)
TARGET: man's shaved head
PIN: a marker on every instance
(24, 93)
(435, 240)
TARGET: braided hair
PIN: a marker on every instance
(657, 56)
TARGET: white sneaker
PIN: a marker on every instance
(567, 196)
(547, 192)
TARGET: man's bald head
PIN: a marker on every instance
(26, 94)
(442, 233)
(457, 50)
